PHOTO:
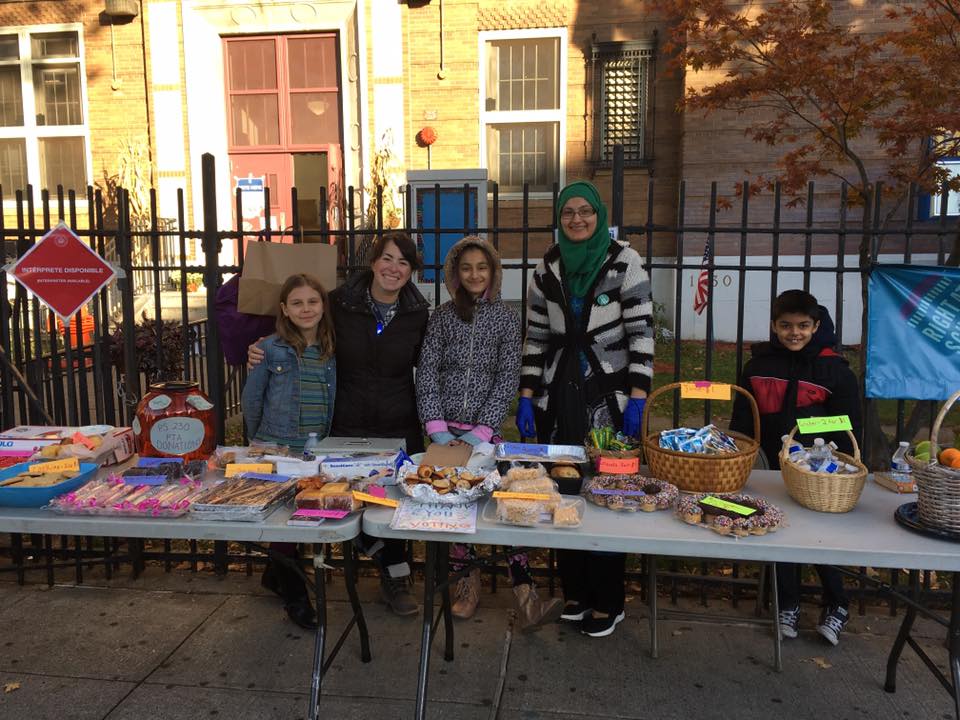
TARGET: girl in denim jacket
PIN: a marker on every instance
(290, 394)
(286, 397)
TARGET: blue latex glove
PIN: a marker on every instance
(633, 416)
(442, 438)
(525, 422)
(470, 439)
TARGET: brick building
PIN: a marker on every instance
(305, 93)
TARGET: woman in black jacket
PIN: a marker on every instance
(380, 319)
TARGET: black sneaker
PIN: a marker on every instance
(397, 593)
(600, 627)
(574, 612)
(789, 621)
(832, 622)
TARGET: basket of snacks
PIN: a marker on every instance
(605, 442)
(831, 483)
(704, 460)
(938, 478)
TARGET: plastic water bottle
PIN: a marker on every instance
(795, 448)
(899, 468)
(310, 447)
(819, 454)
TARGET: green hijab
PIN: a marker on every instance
(582, 260)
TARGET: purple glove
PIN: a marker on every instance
(525, 421)
(633, 416)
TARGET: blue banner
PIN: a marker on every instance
(913, 332)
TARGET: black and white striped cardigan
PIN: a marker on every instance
(618, 337)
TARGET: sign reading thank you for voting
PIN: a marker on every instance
(913, 337)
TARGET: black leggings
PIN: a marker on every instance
(788, 586)
(593, 579)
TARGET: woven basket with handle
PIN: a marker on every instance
(700, 472)
(938, 487)
(824, 492)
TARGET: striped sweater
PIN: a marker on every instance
(617, 332)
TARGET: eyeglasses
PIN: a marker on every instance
(584, 212)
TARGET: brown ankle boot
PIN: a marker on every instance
(466, 596)
(532, 612)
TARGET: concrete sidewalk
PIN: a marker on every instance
(178, 646)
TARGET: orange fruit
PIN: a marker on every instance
(950, 457)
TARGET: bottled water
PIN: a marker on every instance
(899, 468)
(310, 447)
(819, 454)
(795, 448)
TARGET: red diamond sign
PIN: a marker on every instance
(63, 271)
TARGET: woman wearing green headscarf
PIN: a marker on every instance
(587, 363)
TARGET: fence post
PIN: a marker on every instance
(211, 280)
(131, 368)
(618, 187)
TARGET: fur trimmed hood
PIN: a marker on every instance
(452, 279)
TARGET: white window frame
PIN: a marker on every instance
(30, 131)
(953, 198)
(497, 117)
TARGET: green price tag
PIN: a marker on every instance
(824, 424)
(727, 505)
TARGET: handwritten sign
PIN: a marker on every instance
(618, 466)
(727, 505)
(503, 495)
(429, 517)
(68, 465)
(824, 424)
(373, 499)
(704, 390)
(614, 491)
(237, 468)
(153, 462)
(328, 514)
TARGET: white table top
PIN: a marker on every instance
(273, 529)
(867, 535)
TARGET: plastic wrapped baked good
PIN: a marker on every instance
(338, 496)
(520, 512)
(568, 514)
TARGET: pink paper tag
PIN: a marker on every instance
(330, 514)
(702, 383)
(377, 491)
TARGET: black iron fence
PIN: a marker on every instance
(99, 373)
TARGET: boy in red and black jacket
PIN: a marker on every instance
(798, 374)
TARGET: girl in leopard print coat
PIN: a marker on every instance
(469, 368)
(468, 374)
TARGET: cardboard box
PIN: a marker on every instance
(117, 442)
(886, 480)
(363, 465)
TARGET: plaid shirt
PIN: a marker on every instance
(384, 316)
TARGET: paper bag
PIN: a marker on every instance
(267, 265)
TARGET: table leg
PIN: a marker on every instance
(777, 637)
(320, 637)
(953, 642)
(443, 582)
(652, 604)
(350, 575)
(426, 638)
(905, 627)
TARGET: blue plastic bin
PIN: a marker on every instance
(40, 496)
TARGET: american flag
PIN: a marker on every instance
(700, 294)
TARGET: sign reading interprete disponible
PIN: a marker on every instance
(62, 271)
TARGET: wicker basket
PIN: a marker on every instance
(824, 492)
(696, 472)
(938, 487)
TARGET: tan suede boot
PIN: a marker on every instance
(532, 612)
(466, 596)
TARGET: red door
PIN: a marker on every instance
(284, 126)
